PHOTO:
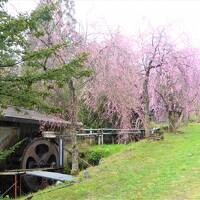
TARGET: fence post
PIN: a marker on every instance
(90, 136)
(113, 139)
(102, 136)
(99, 139)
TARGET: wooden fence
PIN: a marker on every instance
(109, 132)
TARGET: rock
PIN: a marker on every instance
(58, 182)
(86, 173)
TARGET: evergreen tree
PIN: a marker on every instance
(15, 53)
(24, 68)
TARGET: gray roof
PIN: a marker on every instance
(29, 116)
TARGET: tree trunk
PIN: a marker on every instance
(175, 118)
(146, 104)
(185, 117)
(172, 121)
(73, 115)
(180, 119)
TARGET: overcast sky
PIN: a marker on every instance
(130, 15)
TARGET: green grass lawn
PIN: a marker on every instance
(168, 169)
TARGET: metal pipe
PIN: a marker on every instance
(61, 152)
(15, 188)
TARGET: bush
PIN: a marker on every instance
(95, 153)
(4, 154)
(94, 157)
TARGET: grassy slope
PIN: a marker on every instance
(168, 169)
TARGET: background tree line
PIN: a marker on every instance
(47, 65)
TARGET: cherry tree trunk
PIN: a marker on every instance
(73, 115)
(172, 121)
(185, 117)
(146, 105)
(175, 119)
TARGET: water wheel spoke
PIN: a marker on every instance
(47, 156)
(35, 156)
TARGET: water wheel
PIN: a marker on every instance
(40, 153)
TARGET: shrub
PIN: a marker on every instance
(94, 157)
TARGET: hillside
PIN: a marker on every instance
(168, 169)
